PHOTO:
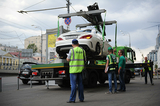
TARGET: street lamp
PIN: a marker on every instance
(128, 35)
(41, 39)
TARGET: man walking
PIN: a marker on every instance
(147, 69)
(121, 70)
(76, 60)
(111, 70)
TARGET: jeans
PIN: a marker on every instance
(74, 79)
(150, 75)
(110, 81)
(121, 79)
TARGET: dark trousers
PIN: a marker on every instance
(150, 75)
(121, 79)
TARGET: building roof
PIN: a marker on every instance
(2, 52)
(17, 55)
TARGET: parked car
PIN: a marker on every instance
(90, 40)
(26, 72)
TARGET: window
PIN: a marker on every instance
(129, 54)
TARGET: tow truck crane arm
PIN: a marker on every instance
(93, 15)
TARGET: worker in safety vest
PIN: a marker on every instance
(147, 69)
(76, 59)
(111, 70)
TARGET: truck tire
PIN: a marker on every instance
(42, 82)
(127, 77)
(64, 84)
(25, 81)
(92, 80)
(102, 81)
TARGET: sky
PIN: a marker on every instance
(135, 19)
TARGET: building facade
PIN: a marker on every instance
(8, 48)
(158, 58)
(33, 40)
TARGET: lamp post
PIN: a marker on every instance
(128, 35)
(41, 39)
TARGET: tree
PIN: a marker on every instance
(32, 46)
(156, 66)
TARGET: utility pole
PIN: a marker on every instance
(68, 4)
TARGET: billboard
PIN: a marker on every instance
(51, 47)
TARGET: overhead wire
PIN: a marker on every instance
(13, 23)
(34, 4)
(40, 21)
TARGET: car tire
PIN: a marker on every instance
(98, 49)
(25, 81)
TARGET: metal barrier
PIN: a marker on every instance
(140, 75)
(30, 81)
(0, 84)
(18, 83)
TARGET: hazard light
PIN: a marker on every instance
(59, 39)
(86, 37)
(61, 72)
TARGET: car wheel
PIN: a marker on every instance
(98, 49)
(25, 81)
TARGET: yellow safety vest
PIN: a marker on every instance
(77, 60)
(111, 63)
(149, 68)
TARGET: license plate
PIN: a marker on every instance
(71, 37)
(24, 72)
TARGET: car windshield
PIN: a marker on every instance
(86, 30)
(27, 66)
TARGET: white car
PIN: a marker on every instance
(90, 40)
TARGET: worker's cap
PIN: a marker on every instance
(74, 41)
(110, 48)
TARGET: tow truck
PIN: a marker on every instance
(94, 67)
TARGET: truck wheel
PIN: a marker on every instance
(25, 81)
(93, 80)
(65, 84)
(127, 78)
(102, 81)
(42, 82)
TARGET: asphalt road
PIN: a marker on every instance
(137, 94)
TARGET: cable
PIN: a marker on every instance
(34, 4)
(14, 24)
(36, 21)
(40, 21)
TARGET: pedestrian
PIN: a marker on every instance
(110, 69)
(147, 69)
(76, 59)
(121, 71)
